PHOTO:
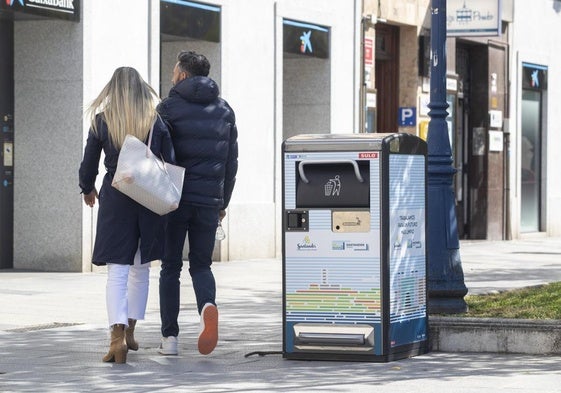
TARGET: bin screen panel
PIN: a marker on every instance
(408, 303)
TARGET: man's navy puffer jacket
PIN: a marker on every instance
(204, 135)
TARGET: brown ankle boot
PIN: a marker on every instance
(118, 347)
(132, 344)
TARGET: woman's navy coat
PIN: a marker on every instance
(121, 222)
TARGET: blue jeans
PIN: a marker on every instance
(199, 224)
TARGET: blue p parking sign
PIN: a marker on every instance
(407, 116)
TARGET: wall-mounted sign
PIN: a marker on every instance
(424, 129)
(368, 52)
(188, 19)
(452, 84)
(478, 141)
(407, 116)
(495, 119)
(371, 100)
(473, 18)
(534, 76)
(305, 39)
(8, 154)
(496, 141)
(59, 9)
(424, 101)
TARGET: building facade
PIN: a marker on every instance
(500, 91)
(286, 67)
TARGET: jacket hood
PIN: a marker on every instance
(197, 89)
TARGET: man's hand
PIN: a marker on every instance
(221, 214)
(89, 199)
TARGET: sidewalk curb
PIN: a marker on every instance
(495, 335)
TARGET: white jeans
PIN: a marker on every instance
(127, 291)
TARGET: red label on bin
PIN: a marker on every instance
(368, 155)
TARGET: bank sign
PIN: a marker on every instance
(473, 18)
(59, 9)
(305, 39)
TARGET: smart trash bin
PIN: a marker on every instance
(354, 247)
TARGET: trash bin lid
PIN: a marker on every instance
(403, 143)
(335, 142)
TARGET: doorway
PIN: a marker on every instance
(6, 142)
(471, 146)
(482, 82)
(387, 77)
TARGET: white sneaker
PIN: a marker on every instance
(168, 346)
(208, 337)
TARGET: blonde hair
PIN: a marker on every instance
(127, 104)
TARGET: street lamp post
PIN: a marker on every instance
(446, 288)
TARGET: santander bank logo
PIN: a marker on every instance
(11, 2)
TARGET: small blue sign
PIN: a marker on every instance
(407, 117)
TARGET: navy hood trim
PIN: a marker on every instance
(197, 89)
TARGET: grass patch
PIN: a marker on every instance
(541, 302)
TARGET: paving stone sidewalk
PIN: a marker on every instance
(53, 335)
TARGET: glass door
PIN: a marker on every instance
(530, 167)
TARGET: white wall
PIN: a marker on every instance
(538, 46)
(48, 142)
(247, 75)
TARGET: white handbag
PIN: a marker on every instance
(143, 177)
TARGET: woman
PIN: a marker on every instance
(129, 236)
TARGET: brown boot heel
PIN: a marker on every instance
(118, 347)
(132, 344)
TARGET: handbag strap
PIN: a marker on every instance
(150, 135)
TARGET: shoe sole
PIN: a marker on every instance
(209, 335)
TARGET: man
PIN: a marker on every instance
(204, 134)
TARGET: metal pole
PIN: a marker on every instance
(446, 288)
(361, 127)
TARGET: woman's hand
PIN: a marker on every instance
(89, 199)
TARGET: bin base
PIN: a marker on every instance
(397, 353)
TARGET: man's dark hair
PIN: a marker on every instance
(193, 63)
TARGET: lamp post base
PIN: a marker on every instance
(446, 293)
(447, 305)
